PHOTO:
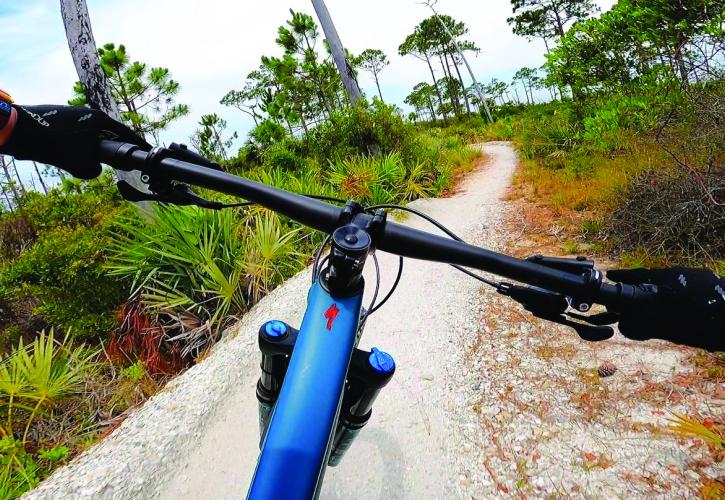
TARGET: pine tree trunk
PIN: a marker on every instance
(377, 84)
(680, 60)
(23, 189)
(463, 86)
(40, 178)
(10, 181)
(85, 57)
(449, 78)
(7, 200)
(61, 174)
(435, 84)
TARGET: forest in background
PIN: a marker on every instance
(626, 154)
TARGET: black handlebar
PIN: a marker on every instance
(394, 238)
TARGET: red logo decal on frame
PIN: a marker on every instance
(331, 314)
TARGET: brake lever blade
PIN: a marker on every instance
(590, 333)
(599, 319)
(185, 193)
(130, 193)
(535, 299)
(180, 194)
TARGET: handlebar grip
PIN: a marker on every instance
(118, 154)
(622, 296)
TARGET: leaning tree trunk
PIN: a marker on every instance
(463, 86)
(40, 178)
(338, 52)
(23, 189)
(85, 57)
(9, 180)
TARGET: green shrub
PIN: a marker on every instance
(362, 130)
(64, 272)
(286, 154)
(206, 262)
(58, 264)
(267, 133)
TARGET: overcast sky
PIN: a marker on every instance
(211, 45)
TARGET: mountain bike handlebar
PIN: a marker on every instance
(393, 238)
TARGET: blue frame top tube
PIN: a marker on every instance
(295, 449)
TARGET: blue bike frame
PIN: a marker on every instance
(296, 447)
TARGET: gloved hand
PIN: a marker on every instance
(689, 308)
(66, 137)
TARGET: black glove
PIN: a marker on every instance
(689, 307)
(66, 137)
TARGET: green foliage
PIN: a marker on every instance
(287, 154)
(57, 264)
(293, 90)
(638, 39)
(210, 141)
(33, 378)
(135, 371)
(364, 129)
(54, 454)
(146, 97)
(18, 471)
(208, 263)
(267, 133)
(547, 18)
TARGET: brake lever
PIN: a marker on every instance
(177, 194)
(590, 333)
(535, 299)
(552, 306)
(599, 319)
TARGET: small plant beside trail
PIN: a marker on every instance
(35, 380)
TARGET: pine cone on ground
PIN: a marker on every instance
(607, 370)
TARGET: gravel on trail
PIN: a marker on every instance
(485, 402)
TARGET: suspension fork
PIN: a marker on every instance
(302, 422)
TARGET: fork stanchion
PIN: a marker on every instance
(369, 372)
(276, 341)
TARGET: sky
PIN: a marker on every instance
(210, 46)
